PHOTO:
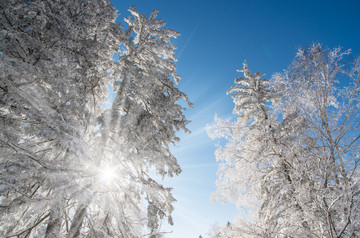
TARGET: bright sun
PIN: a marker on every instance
(106, 175)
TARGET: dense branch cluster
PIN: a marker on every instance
(59, 131)
(291, 157)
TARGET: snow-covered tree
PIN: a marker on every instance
(324, 91)
(292, 153)
(136, 131)
(73, 163)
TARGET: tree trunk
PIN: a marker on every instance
(54, 225)
(77, 221)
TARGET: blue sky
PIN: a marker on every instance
(216, 37)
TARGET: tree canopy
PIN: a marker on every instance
(292, 154)
(74, 162)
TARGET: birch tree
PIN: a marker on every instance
(70, 166)
(293, 152)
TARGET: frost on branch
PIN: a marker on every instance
(292, 155)
(57, 139)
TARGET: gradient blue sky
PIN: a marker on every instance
(216, 37)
